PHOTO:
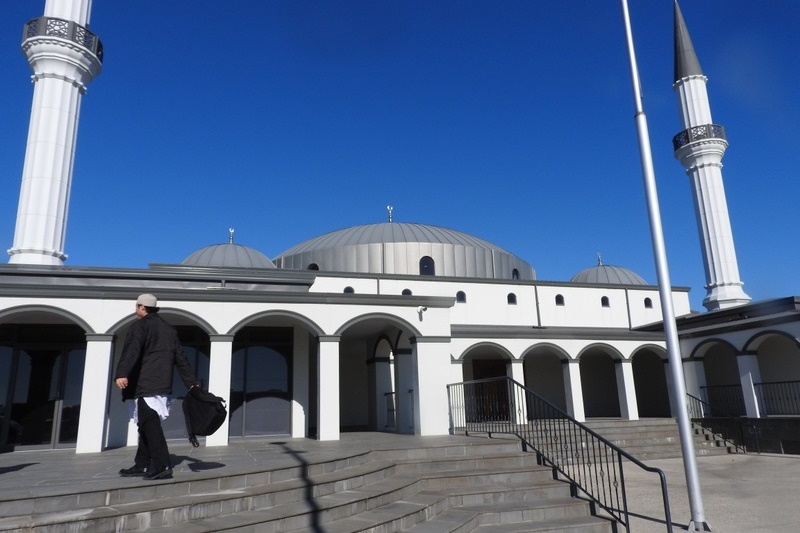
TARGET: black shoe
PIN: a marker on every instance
(159, 473)
(133, 471)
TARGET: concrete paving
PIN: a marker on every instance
(753, 493)
(740, 492)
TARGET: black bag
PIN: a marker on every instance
(204, 413)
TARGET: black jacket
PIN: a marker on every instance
(150, 352)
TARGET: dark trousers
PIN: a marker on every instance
(152, 450)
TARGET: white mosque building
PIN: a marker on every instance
(359, 329)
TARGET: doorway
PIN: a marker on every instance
(41, 382)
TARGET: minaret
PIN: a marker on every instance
(64, 56)
(700, 148)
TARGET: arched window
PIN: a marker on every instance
(313, 266)
(406, 292)
(559, 299)
(427, 266)
(512, 298)
(349, 290)
(461, 297)
(515, 274)
(648, 303)
(604, 301)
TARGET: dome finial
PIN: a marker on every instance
(599, 259)
(390, 209)
(230, 237)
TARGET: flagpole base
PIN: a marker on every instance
(698, 526)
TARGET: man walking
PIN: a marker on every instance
(144, 374)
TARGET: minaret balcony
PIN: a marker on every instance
(64, 29)
(698, 133)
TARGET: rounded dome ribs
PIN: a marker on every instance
(398, 248)
(228, 255)
(608, 275)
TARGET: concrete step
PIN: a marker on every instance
(89, 495)
(329, 488)
(398, 498)
(510, 517)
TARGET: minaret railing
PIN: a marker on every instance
(698, 133)
(64, 29)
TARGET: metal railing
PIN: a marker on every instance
(732, 429)
(780, 398)
(590, 463)
(725, 398)
(698, 133)
(64, 29)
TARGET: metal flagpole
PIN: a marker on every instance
(698, 520)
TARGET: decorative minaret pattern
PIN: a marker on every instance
(64, 56)
(700, 148)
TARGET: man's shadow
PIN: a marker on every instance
(195, 465)
(15, 468)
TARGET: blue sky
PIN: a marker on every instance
(511, 121)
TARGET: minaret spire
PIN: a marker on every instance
(700, 148)
(686, 63)
(64, 56)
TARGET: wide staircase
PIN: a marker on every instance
(485, 485)
(657, 438)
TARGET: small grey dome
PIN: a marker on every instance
(228, 255)
(608, 275)
(404, 248)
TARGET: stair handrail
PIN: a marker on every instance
(706, 411)
(504, 406)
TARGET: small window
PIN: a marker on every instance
(512, 298)
(559, 299)
(406, 292)
(648, 303)
(515, 274)
(461, 297)
(427, 266)
(313, 266)
(349, 290)
(604, 301)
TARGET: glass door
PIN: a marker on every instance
(260, 383)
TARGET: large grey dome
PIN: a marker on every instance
(608, 275)
(228, 255)
(403, 248)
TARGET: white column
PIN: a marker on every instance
(694, 376)
(62, 55)
(77, 10)
(431, 368)
(94, 394)
(626, 389)
(749, 374)
(328, 388)
(219, 381)
(574, 390)
(300, 393)
(516, 369)
(700, 148)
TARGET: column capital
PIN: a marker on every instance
(329, 338)
(221, 338)
(430, 339)
(99, 337)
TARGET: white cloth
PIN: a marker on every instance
(159, 404)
